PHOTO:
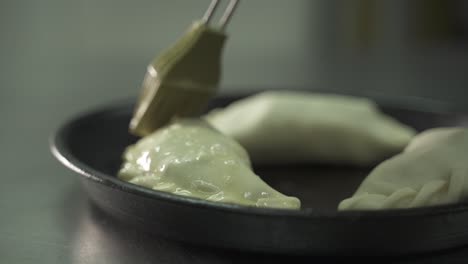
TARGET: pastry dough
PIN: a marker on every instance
(432, 170)
(190, 158)
(292, 127)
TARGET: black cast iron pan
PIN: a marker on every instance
(92, 144)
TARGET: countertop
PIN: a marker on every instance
(47, 218)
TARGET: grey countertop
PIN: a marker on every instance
(46, 218)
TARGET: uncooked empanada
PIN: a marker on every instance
(291, 127)
(432, 170)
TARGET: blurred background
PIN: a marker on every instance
(61, 57)
(83, 52)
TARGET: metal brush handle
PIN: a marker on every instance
(224, 20)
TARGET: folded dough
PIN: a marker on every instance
(291, 127)
(432, 170)
(191, 158)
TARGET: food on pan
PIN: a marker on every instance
(432, 170)
(190, 158)
(289, 127)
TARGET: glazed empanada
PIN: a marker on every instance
(190, 158)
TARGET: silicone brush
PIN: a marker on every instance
(181, 81)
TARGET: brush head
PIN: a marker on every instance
(181, 81)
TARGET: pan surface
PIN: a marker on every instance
(92, 144)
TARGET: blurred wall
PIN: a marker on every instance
(74, 54)
(98, 50)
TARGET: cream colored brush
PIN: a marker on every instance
(181, 81)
